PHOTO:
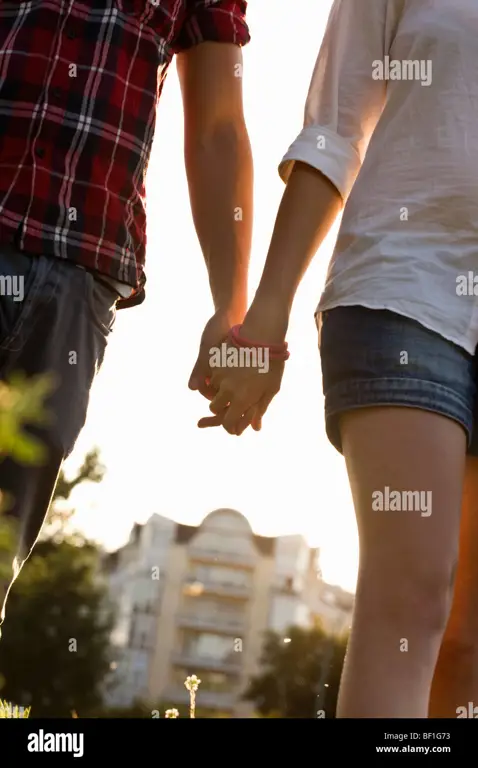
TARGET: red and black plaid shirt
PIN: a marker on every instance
(79, 85)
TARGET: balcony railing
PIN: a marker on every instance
(194, 662)
(212, 699)
(207, 586)
(217, 622)
(205, 555)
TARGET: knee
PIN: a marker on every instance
(421, 597)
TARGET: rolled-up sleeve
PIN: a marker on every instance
(344, 102)
(221, 21)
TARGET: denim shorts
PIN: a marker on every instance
(376, 357)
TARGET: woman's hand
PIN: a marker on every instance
(248, 379)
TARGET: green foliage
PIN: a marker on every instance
(136, 710)
(21, 404)
(92, 471)
(13, 711)
(8, 541)
(54, 652)
(289, 684)
(55, 528)
(141, 710)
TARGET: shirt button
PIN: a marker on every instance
(40, 152)
(56, 93)
(71, 34)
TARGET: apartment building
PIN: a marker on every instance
(197, 600)
(332, 606)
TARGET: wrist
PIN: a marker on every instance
(266, 322)
(233, 311)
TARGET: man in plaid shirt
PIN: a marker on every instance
(79, 85)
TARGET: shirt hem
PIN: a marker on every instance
(466, 345)
(28, 243)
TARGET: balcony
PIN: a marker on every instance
(220, 622)
(209, 699)
(203, 555)
(205, 587)
(194, 662)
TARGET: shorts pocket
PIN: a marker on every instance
(320, 320)
(101, 302)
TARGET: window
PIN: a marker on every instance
(224, 542)
(224, 576)
(216, 682)
(208, 646)
(209, 607)
(137, 679)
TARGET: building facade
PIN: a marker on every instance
(198, 600)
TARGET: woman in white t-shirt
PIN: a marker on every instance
(398, 329)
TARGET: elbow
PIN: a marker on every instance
(225, 136)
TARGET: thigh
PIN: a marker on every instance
(406, 469)
(399, 406)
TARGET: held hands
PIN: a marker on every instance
(214, 334)
(245, 376)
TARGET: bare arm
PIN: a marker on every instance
(309, 207)
(343, 107)
(219, 168)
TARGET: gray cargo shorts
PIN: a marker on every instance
(55, 318)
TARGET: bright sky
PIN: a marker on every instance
(288, 478)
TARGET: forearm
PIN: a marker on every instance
(309, 207)
(220, 177)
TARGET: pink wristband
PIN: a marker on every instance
(242, 342)
(276, 351)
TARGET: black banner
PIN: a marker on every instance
(82, 742)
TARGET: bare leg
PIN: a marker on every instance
(456, 676)
(407, 559)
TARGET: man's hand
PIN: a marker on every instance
(214, 334)
(241, 395)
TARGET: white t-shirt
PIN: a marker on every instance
(402, 75)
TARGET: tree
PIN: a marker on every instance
(21, 404)
(54, 651)
(140, 709)
(289, 684)
(56, 525)
(92, 471)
